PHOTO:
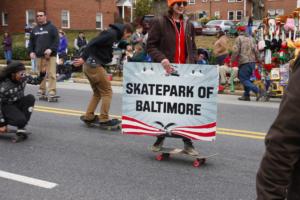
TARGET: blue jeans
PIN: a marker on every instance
(8, 55)
(249, 30)
(245, 72)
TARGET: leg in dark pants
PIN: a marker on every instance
(244, 73)
(19, 114)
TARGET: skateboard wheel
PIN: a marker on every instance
(196, 163)
(159, 157)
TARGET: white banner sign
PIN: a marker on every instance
(183, 104)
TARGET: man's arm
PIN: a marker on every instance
(75, 44)
(153, 42)
(55, 38)
(235, 50)
(36, 80)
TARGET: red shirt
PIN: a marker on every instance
(180, 43)
(227, 61)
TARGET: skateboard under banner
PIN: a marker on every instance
(49, 98)
(13, 137)
(165, 153)
(97, 124)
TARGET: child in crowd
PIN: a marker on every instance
(228, 68)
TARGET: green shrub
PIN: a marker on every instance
(20, 53)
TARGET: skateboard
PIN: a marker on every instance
(49, 98)
(13, 137)
(98, 125)
(165, 154)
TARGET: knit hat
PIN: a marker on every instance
(171, 2)
(15, 66)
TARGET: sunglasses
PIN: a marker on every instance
(183, 3)
(22, 74)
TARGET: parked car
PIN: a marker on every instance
(214, 26)
(198, 26)
(242, 26)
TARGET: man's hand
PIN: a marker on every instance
(78, 62)
(3, 129)
(167, 66)
(47, 52)
(32, 55)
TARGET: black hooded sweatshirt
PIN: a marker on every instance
(100, 48)
(44, 37)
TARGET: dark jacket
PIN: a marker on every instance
(7, 44)
(100, 48)
(161, 41)
(11, 91)
(44, 37)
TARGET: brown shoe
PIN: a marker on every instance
(94, 120)
(157, 146)
(190, 149)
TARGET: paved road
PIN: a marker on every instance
(77, 162)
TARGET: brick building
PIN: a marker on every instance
(237, 9)
(65, 14)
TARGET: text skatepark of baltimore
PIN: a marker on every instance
(173, 91)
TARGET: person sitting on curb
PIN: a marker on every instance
(15, 107)
(228, 67)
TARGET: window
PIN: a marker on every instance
(204, 0)
(280, 11)
(217, 14)
(239, 0)
(65, 19)
(4, 17)
(230, 15)
(239, 15)
(191, 1)
(99, 20)
(231, 1)
(30, 17)
(272, 12)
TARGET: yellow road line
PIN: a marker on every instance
(240, 135)
(65, 111)
(221, 131)
(241, 131)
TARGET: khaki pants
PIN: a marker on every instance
(50, 65)
(102, 90)
(223, 70)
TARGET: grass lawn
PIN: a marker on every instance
(19, 40)
(207, 42)
(201, 41)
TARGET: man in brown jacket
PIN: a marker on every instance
(279, 174)
(172, 40)
(221, 48)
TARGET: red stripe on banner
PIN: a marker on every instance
(124, 117)
(137, 127)
(141, 133)
(211, 125)
(209, 134)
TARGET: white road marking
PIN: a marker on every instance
(27, 180)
